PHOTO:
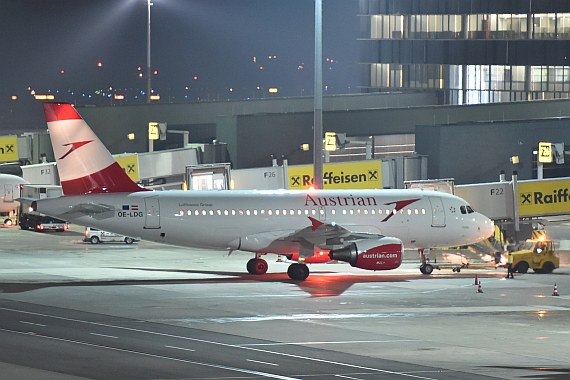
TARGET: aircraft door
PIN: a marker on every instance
(152, 214)
(437, 212)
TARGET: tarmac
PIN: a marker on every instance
(70, 309)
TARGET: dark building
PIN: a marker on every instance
(471, 51)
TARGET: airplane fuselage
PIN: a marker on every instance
(253, 221)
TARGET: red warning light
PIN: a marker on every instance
(100, 64)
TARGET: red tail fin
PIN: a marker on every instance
(84, 164)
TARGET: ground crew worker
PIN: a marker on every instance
(510, 266)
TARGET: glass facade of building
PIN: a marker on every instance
(476, 51)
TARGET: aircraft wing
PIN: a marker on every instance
(320, 234)
(331, 234)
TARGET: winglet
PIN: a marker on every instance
(84, 164)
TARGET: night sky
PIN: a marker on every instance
(203, 49)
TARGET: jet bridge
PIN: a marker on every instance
(512, 203)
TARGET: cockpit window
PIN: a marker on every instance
(466, 209)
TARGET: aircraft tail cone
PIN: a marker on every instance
(479, 288)
(555, 291)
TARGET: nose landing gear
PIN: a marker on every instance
(425, 266)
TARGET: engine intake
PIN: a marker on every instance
(371, 254)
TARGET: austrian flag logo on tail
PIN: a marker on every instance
(130, 207)
(74, 146)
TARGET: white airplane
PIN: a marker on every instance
(9, 193)
(366, 228)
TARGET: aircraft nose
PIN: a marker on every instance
(486, 226)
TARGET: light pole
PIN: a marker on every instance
(148, 67)
(318, 111)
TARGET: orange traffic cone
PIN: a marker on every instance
(476, 280)
(479, 288)
(555, 292)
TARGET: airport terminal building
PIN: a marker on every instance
(475, 51)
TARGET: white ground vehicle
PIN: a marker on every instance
(95, 236)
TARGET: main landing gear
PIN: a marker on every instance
(296, 271)
(425, 266)
(257, 266)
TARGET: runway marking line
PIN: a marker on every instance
(34, 324)
(403, 374)
(180, 348)
(348, 377)
(332, 342)
(105, 335)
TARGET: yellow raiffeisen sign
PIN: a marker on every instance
(130, 164)
(351, 175)
(544, 197)
(8, 148)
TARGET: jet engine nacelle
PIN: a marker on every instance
(371, 254)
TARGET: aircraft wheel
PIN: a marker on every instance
(257, 266)
(298, 272)
(426, 268)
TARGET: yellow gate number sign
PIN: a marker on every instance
(330, 141)
(153, 131)
(545, 152)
